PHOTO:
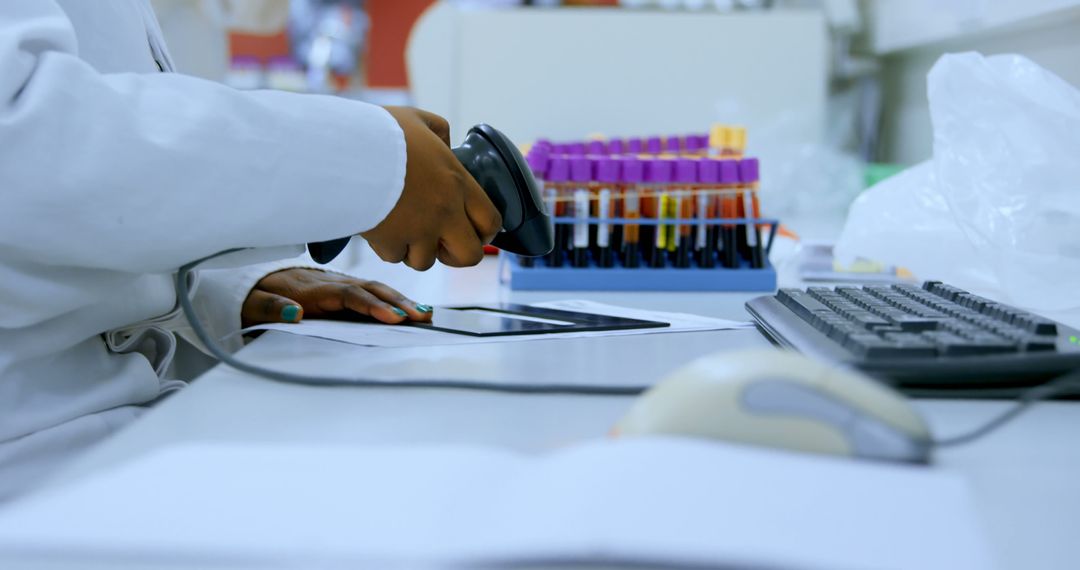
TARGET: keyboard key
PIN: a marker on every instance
(873, 346)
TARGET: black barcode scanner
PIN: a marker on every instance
(501, 171)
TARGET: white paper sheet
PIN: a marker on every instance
(663, 501)
(369, 334)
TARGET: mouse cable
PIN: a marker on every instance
(1064, 384)
(184, 295)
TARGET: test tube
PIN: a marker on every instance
(658, 175)
(576, 149)
(580, 175)
(558, 176)
(673, 144)
(693, 145)
(686, 179)
(729, 208)
(607, 176)
(596, 148)
(635, 145)
(707, 236)
(653, 145)
(749, 175)
(737, 140)
(616, 146)
(631, 177)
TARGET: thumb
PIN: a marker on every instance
(264, 307)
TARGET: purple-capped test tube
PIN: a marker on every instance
(693, 144)
(732, 235)
(616, 146)
(707, 238)
(653, 145)
(635, 145)
(581, 173)
(659, 173)
(538, 163)
(607, 177)
(685, 180)
(576, 149)
(673, 144)
(596, 148)
(749, 174)
(631, 179)
(558, 177)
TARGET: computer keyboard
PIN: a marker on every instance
(931, 340)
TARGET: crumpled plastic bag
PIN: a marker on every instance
(997, 208)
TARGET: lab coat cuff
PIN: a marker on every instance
(220, 297)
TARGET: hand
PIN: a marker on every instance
(289, 295)
(442, 212)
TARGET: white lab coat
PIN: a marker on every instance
(112, 175)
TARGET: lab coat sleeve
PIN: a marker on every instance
(141, 173)
(219, 299)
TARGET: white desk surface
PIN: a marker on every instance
(1024, 477)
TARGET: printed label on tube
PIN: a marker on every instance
(603, 230)
(581, 212)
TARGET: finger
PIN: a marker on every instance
(437, 124)
(460, 246)
(483, 214)
(386, 253)
(420, 256)
(265, 307)
(416, 311)
(363, 302)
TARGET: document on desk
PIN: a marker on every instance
(648, 501)
(372, 334)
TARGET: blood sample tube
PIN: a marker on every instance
(729, 208)
(631, 177)
(673, 144)
(707, 235)
(685, 184)
(635, 145)
(654, 145)
(576, 149)
(580, 176)
(693, 147)
(607, 176)
(558, 176)
(658, 175)
(749, 176)
(616, 146)
(596, 148)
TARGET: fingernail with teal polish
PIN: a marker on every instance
(399, 312)
(291, 313)
(423, 308)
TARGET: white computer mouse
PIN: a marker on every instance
(780, 399)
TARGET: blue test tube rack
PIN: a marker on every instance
(541, 277)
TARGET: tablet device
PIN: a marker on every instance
(505, 319)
